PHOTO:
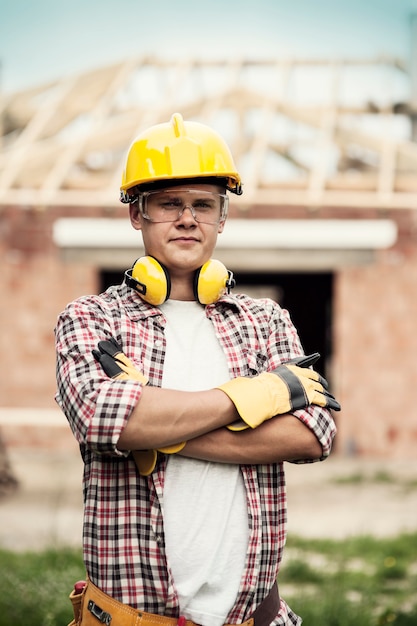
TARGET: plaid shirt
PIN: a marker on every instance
(123, 536)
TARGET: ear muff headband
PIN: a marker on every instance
(152, 281)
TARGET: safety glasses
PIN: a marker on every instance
(206, 207)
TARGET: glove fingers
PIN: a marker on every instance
(315, 393)
(114, 362)
(177, 447)
(306, 360)
(331, 402)
(307, 373)
(117, 346)
(323, 382)
(109, 365)
(122, 358)
(145, 461)
(319, 382)
(324, 398)
(132, 373)
(109, 346)
(306, 389)
(112, 348)
(238, 426)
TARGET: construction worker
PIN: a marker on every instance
(185, 399)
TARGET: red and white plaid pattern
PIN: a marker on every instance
(124, 547)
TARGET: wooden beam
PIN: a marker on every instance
(58, 167)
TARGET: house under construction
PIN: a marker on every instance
(326, 224)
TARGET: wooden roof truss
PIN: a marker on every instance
(303, 132)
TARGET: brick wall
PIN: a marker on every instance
(35, 287)
(374, 366)
(375, 357)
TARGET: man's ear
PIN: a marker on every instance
(134, 214)
(221, 227)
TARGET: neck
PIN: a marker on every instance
(182, 288)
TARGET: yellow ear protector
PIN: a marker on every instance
(152, 282)
(150, 279)
(211, 281)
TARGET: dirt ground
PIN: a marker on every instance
(338, 498)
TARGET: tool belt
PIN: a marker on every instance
(93, 607)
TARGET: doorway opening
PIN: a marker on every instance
(308, 297)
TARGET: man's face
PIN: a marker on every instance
(186, 242)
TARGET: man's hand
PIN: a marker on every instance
(115, 363)
(118, 366)
(289, 387)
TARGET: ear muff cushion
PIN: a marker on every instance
(154, 276)
(210, 282)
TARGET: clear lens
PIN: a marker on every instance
(168, 205)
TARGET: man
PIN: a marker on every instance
(178, 394)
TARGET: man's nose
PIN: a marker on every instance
(188, 216)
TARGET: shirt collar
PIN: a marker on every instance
(138, 309)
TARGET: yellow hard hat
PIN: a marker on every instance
(178, 150)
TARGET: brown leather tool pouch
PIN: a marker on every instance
(76, 597)
(93, 607)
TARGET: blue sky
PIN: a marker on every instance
(44, 39)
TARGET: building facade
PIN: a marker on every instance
(328, 231)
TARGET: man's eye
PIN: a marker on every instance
(171, 204)
(203, 205)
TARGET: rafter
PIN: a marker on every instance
(64, 143)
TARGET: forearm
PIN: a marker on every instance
(165, 416)
(283, 438)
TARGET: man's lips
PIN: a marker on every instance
(184, 240)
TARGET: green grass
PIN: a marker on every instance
(35, 587)
(360, 581)
(379, 477)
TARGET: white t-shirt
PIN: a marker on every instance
(204, 507)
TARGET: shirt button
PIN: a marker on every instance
(158, 343)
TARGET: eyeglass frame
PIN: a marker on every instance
(144, 195)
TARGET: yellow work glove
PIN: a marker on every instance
(119, 367)
(289, 387)
(115, 363)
